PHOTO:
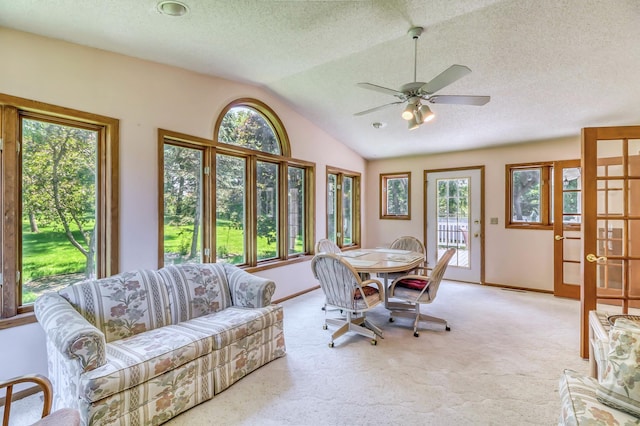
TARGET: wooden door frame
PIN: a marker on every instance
(588, 288)
(482, 221)
(560, 289)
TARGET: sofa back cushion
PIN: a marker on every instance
(196, 290)
(122, 305)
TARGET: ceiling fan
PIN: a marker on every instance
(414, 94)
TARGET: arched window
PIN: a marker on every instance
(251, 203)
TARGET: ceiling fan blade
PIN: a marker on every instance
(445, 78)
(459, 99)
(381, 89)
(377, 108)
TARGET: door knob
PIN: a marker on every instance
(476, 235)
(559, 237)
(593, 258)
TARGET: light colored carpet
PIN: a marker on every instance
(499, 365)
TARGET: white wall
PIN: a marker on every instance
(145, 96)
(513, 257)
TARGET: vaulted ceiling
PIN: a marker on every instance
(551, 67)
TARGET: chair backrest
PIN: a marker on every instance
(338, 280)
(408, 243)
(327, 246)
(438, 272)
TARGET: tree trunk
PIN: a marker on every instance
(194, 238)
(33, 223)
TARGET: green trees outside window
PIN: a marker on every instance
(395, 193)
(60, 198)
(343, 207)
(239, 198)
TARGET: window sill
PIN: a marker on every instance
(278, 263)
(529, 226)
(18, 320)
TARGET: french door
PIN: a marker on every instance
(567, 217)
(454, 211)
(611, 221)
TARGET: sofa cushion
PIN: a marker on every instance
(139, 358)
(196, 290)
(620, 383)
(580, 406)
(234, 323)
(121, 305)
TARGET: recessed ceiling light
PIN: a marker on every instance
(172, 8)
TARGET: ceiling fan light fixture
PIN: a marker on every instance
(425, 113)
(413, 123)
(407, 114)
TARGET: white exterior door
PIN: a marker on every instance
(454, 219)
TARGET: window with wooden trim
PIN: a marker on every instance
(59, 169)
(343, 207)
(395, 195)
(239, 198)
(529, 195)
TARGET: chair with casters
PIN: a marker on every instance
(345, 290)
(414, 290)
(327, 246)
(406, 243)
(61, 417)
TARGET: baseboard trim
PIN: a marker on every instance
(511, 287)
(300, 293)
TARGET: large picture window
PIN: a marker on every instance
(255, 201)
(343, 207)
(59, 170)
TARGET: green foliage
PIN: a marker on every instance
(525, 195)
(59, 191)
(246, 127)
(48, 253)
(398, 196)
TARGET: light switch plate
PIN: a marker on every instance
(493, 220)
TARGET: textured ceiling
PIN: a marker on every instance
(551, 67)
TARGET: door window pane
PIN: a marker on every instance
(230, 209)
(610, 197)
(182, 205)
(58, 206)
(453, 219)
(296, 220)
(267, 183)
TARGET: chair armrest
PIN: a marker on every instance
(425, 278)
(69, 332)
(374, 281)
(248, 290)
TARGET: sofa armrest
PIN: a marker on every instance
(247, 290)
(70, 332)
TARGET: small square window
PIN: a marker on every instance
(395, 195)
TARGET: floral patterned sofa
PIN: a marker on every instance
(612, 398)
(141, 347)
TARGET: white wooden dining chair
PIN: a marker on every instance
(410, 243)
(414, 290)
(345, 290)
